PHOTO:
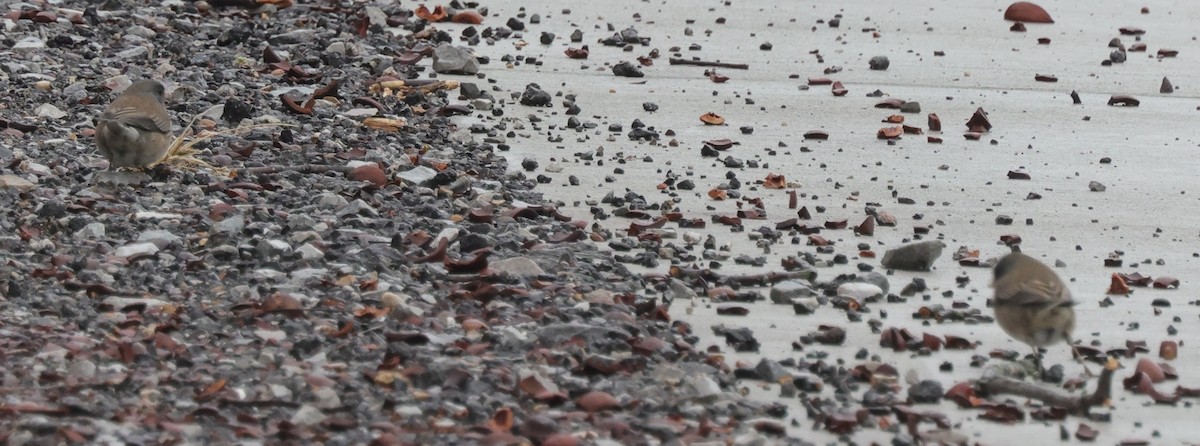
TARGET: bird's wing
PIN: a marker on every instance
(133, 117)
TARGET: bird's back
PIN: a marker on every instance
(124, 112)
(1023, 280)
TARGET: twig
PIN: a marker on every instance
(178, 143)
(69, 387)
(258, 403)
(302, 168)
(488, 276)
(747, 279)
(425, 86)
(180, 152)
(249, 4)
(705, 63)
(343, 343)
(997, 383)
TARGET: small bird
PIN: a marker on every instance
(135, 130)
(1032, 303)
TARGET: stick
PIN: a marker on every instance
(250, 4)
(705, 63)
(343, 343)
(748, 279)
(995, 382)
(303, 168)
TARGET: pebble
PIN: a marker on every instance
(926, 392)
(49, 111)
(82, 370)
(879, 63)
(787, 291)
(307, 415)
(534, 96)
(309, 252)
(292, 37)
(233, 224)
(448, 58)
(137, 250)
(91, 231)
(859, 291)
(517, 266)
(122, 302)
(626, 69)
(359, 295)
(29, 44)
(9, 181)
(917, 256)
(326, 398)
(419, 175)
(133, 53)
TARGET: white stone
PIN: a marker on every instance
(29, 43)
(280, 392)
(271, 335)
(49, 111)
(362, 112)
(268, 274)
(232, 224)
(278, 246)
(119, 302)
(137, 51)
(156, 235)
(307, 415)
(310, 252)
(39, 169)
(448, 234)
(94, 230)
(135, 250)
(308, 273)
(859, 291)
(517, 266)
(327, 398)
(418, 175)
(147, 215)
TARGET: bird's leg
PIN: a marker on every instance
(1037, 363)
(1079, 357)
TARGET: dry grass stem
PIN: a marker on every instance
(181, 153)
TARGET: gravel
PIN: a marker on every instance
(320, 277)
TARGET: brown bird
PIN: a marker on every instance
(135, 130)
(1032, 304)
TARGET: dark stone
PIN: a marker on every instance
(469, 90)
(879, 63)
(626, 69)
(235, 111)
(926, 392)
(534, 96)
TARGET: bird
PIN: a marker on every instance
(135, 130)
(1032, 304)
